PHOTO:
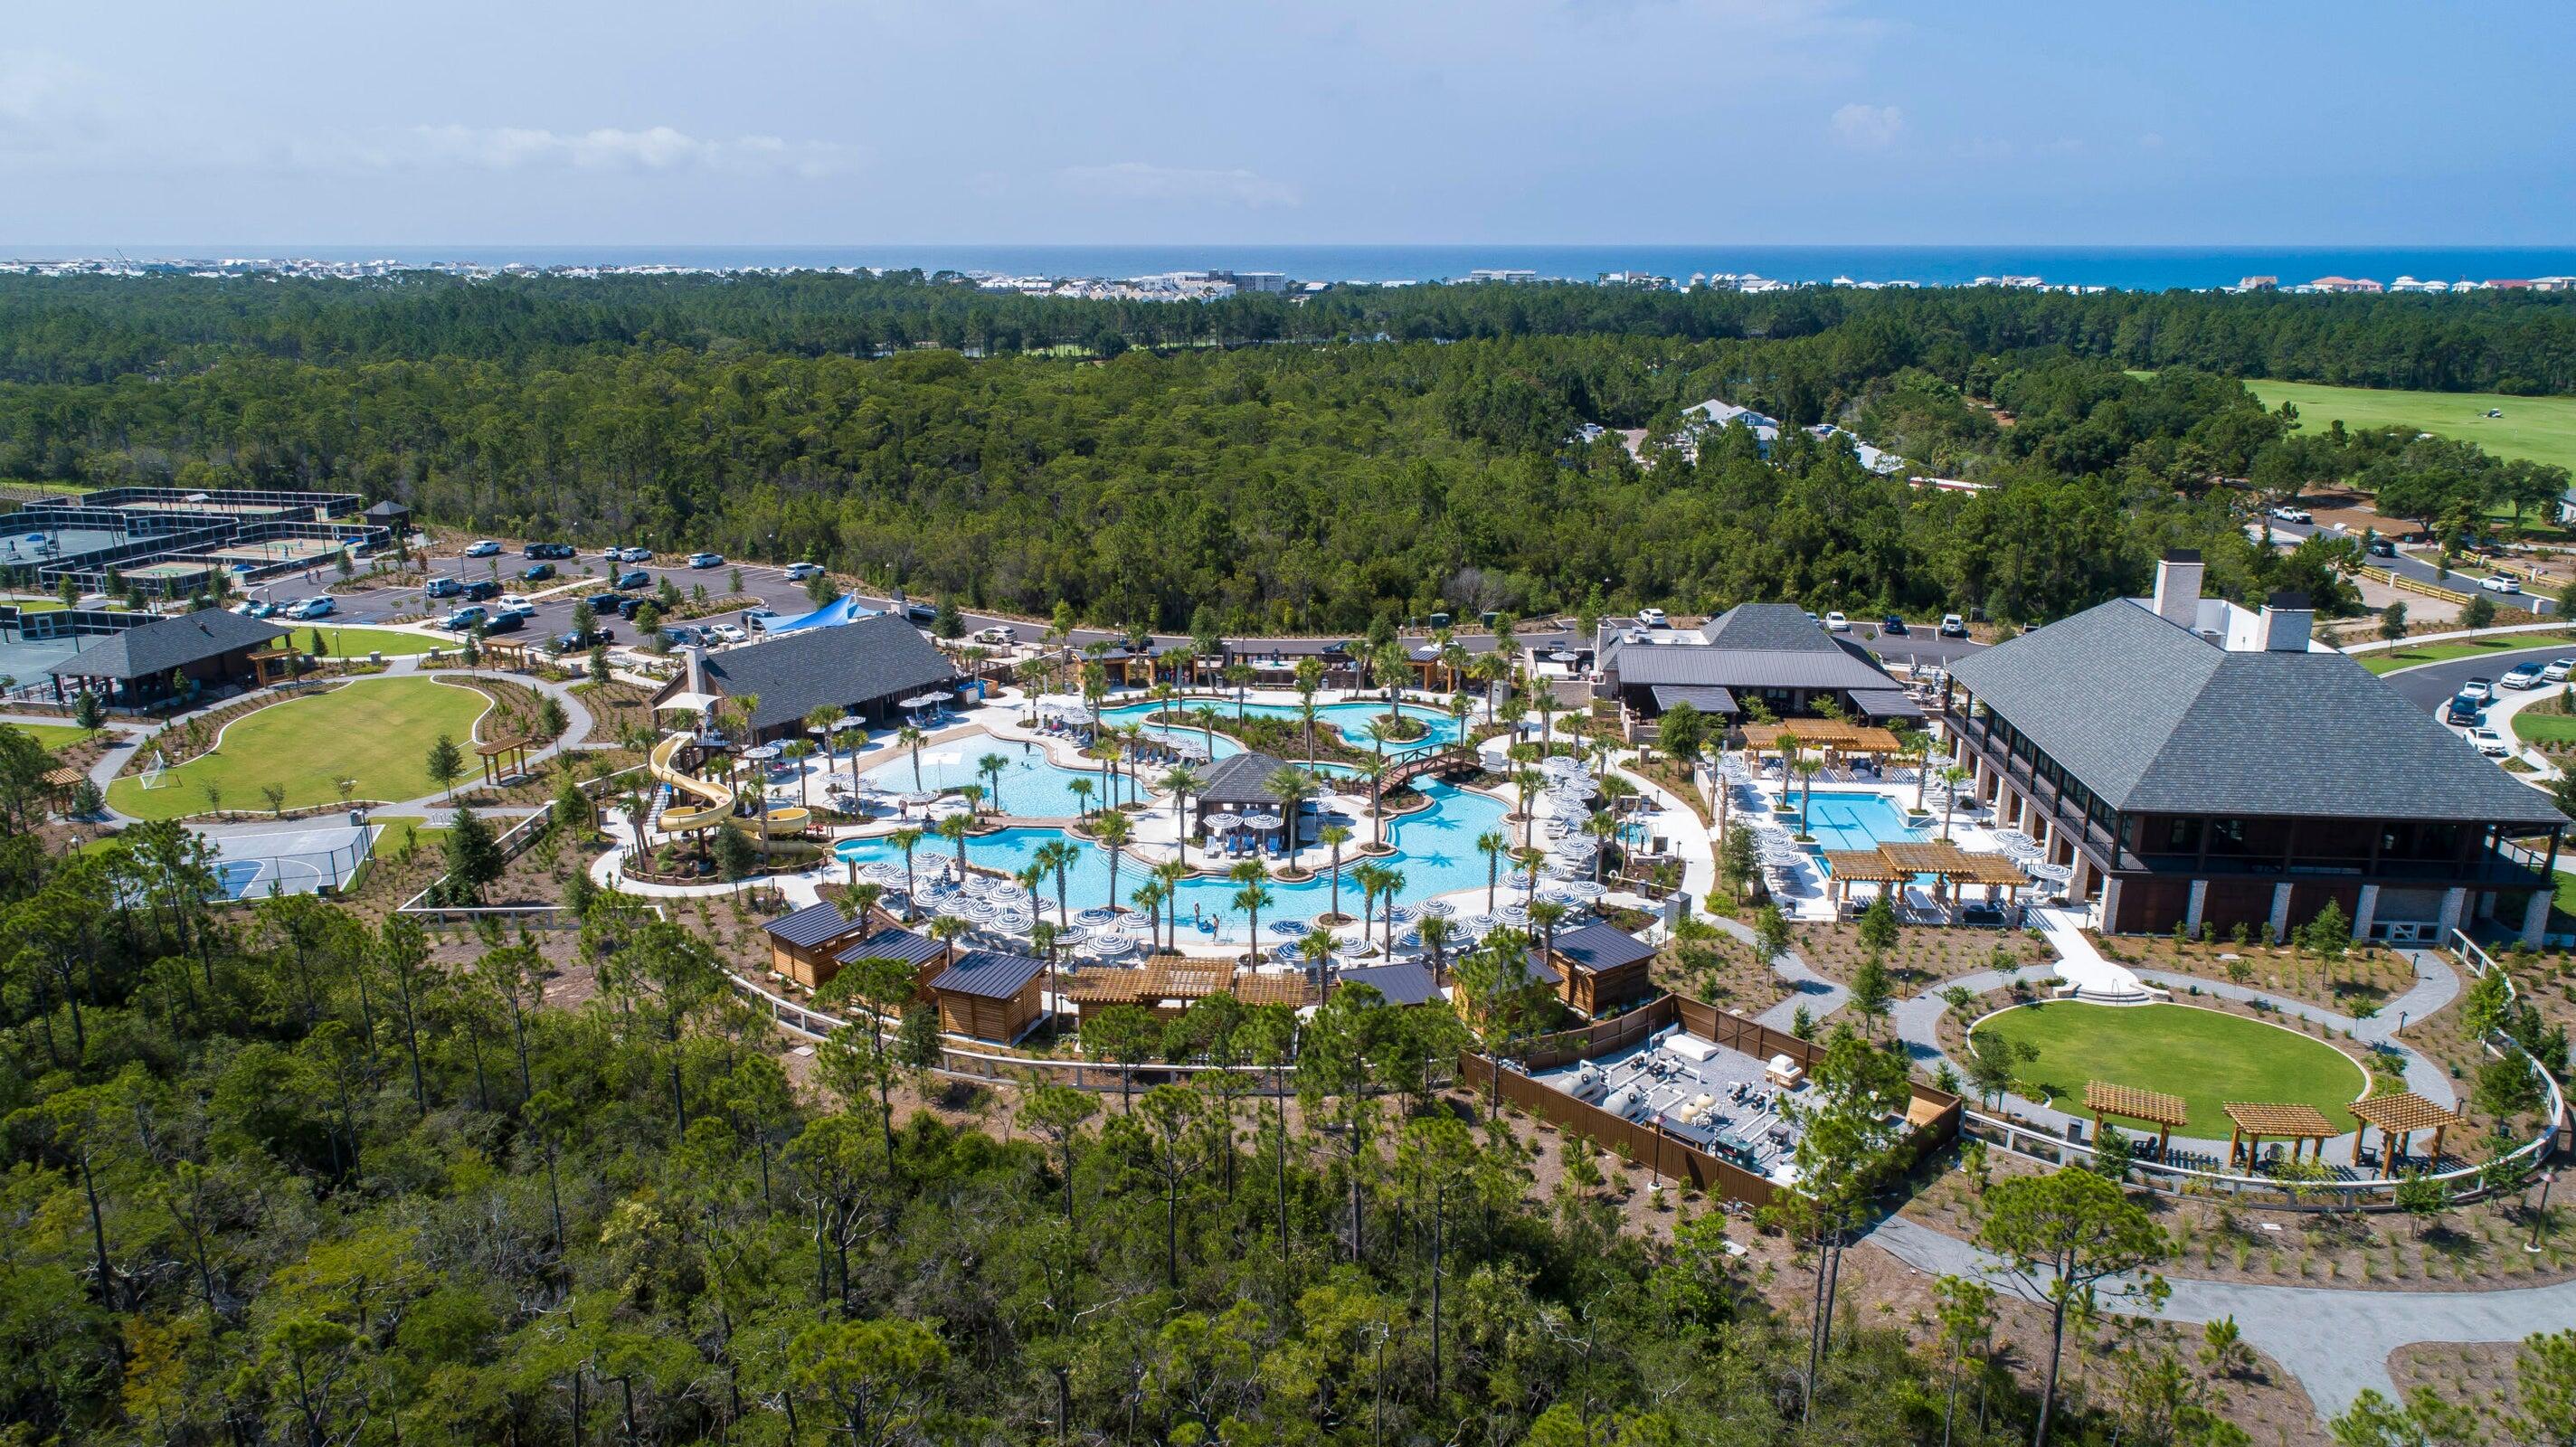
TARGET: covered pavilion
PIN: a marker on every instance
(2398, 1117)
(2252, 1123)
(2166, 1113)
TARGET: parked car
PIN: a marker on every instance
(256, 609)
(920, 612)
(581, 642)
(636, 555)
(2380, 548)
(2521, 675)
(680, 635)
(636, 578)
(2559, 670)
(1835, 622)
(1654, 617)
(536, 573)
(1953, 626)
(310, 608)
(726, 633)
(759, 619)
(706, 560)
(2500, 585)
(1893, 626)
(2490, 743)
(627, 608)
(506, 623)
(2481, 689)
(481, 589)
(799, 572)
(443, 587)
(998, 634)
(515, 608)
(2289, 514)
(484, 549)
(465, 620)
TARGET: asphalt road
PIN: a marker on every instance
(2430, 685)
(2407, 565)
(768, 582)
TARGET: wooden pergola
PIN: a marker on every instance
(2399, 1116)
(1846, 867)
(1167, 984)
(1831, 736)
(2256, 1122)
(2165, 1112)
(504, 759)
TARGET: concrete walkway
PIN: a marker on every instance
(2335, 1341)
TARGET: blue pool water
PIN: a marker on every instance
(1857, 821)
(1350, 719)
(1435, 852)
(1031, 786)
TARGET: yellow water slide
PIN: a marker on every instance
(675, 818)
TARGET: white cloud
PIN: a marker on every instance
(1867, 125)
(607, 148)
(1137, 181)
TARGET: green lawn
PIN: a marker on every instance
(377, 732)
(2201, 1055)
(2391, 660)
(2535, 727)
(2540, 428)
(359, 642)
(55, 737)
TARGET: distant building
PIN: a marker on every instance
(1714, 413)
(2258, 283)
(1267, 281)
(1505, 275)
(2345, 284)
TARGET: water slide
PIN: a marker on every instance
(676, 818)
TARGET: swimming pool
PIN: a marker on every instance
(1435, 852)
(1857, 821)
(1031, 785)
(1351, 720)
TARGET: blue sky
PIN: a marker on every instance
(1508, 121)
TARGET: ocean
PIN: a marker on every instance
(2138, 268)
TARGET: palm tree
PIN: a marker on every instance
(1113, 831)
(1390, 882)
(1310, 677)
(819, 723)
(1546, 914)
(1315, 948)
(1391, 664)
(1293, 787)
(1254, 894)
(1238, 676)
(1333, 837)
(991, 766)
(1487, 670)
(1458, 710)
(1029, 878)
(955, 828)
(1205, 716)
(1918, 747)
(1081, 791)
(1181, 781)
(1491, 844)
(1546, 704)
(1530, 860)
(1529, 782)
(911, 739)
(1435, 938)
(906, 839)
(1806, 769)
(1148, 898)
(1952, 777)
(973, 794)
(797, 752)
(1603, 826)
(1058, 857)
(1169, 874)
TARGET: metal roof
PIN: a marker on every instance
(1885, 703)
(2155, 718)
(1240, 779)
(1404, 983)
(892, 944)
(871, 660)
(1706, 697)
(988, 974)
(153, 649)
(811, 925)
(1598, 947)
(1750, 646)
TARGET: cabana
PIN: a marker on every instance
(989, 995)
(2398, 1117)
(2165, 1112)
(2253, 1123)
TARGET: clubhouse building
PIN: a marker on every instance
(869, 667)
(2197, 763)
(1767, 652)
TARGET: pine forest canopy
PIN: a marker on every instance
(1279, 487)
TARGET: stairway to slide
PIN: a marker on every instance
(716, 804)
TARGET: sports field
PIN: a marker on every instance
(2540, 428)
(376, 731)
(2201, 1055)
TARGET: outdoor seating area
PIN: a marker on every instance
(1721, 1100)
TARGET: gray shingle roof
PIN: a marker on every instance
(811, 925)
(868, 661)
(1837, 666)
(1241, 779)
(155, 648)
(988, 974)
(1769, 627)
(2155, 718)
(1598, 947)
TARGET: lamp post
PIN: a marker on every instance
(2540, 1213)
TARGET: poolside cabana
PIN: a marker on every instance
(2398, 1117)
(2166, 1113)
(1847, 867)
(2254, 1123)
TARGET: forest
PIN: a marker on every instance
(1276, 488)
(280, 1175)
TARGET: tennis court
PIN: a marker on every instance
(277, 550)
(259, 864)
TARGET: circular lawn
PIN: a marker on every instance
(2206, 1057)
(376, 731)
